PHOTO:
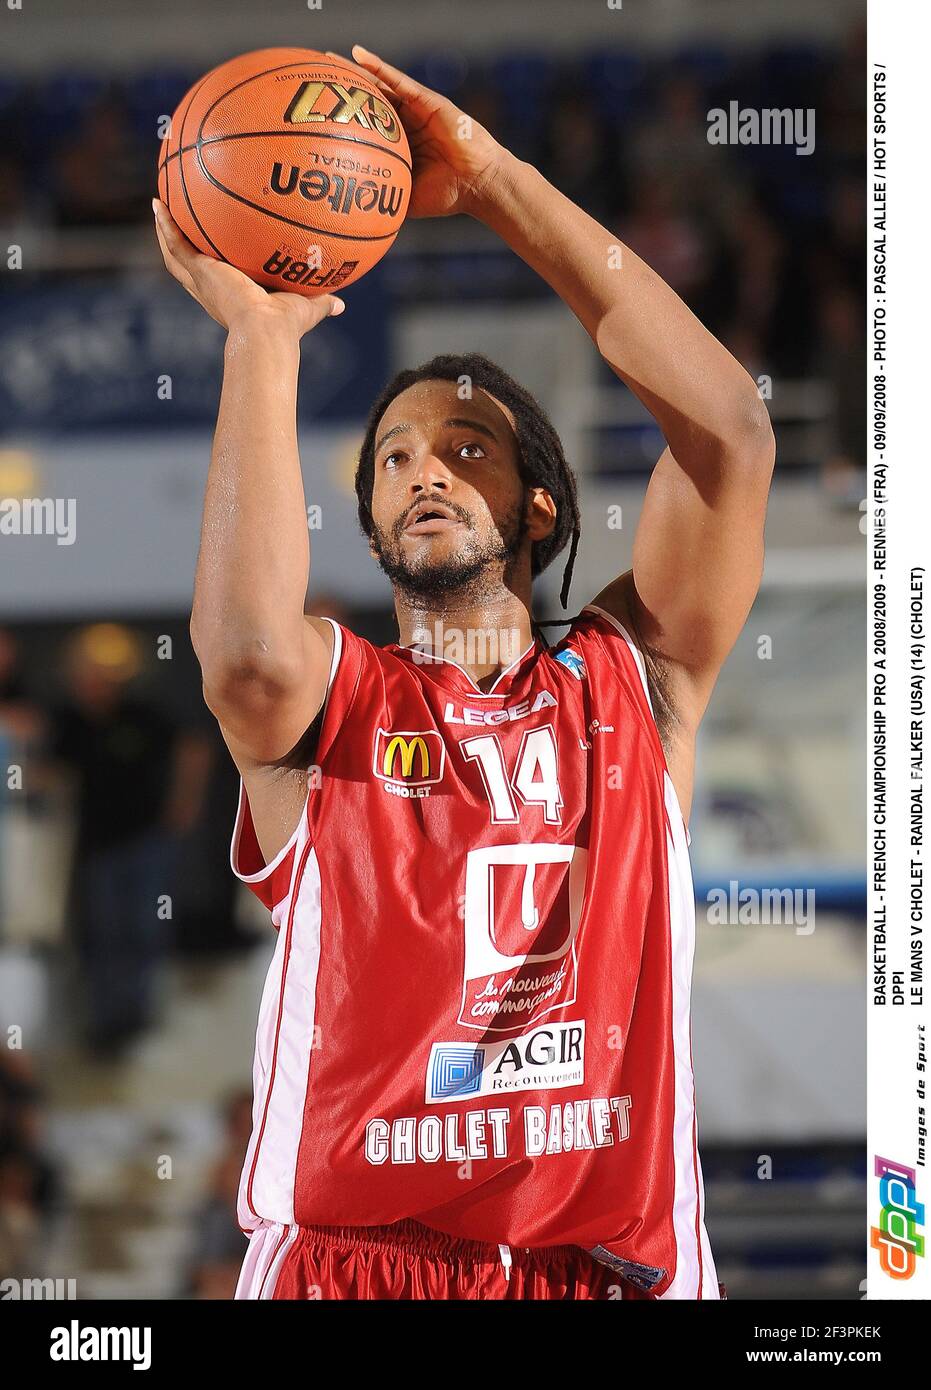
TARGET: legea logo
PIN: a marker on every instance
(896, 1237)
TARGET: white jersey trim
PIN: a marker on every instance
(267, 869)
(695, 1275)
(269, 1246)
(284, 1042)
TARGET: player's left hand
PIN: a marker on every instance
(455, 159)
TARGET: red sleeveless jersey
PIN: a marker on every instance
(477, 1013)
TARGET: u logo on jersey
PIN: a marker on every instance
(409, 759)
(519, 962)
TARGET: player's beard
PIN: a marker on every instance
(476, 570)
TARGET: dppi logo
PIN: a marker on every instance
(896, 1237)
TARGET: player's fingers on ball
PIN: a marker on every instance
(172, 236)
(172, 264)
(384, 87)
(176, 269)
(331, 53)
(403, 87)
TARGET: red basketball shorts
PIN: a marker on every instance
(409, 1261)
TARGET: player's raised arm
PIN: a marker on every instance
(699, 546)
(264, 664)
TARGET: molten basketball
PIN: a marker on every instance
(291, 166)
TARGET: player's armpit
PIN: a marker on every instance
(276, 799)
(697, 563)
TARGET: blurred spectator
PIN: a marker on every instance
(20, 724)
(139, 784)
(666, 237)
(19, 716)
(840, 253)
(578, 156)
(842, 363)
(841, 112)
(672, 147)
(27, 1180)
(100, 175)
(219, 1243)
(12, 191)
(757, 258)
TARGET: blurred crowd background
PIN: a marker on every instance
(130, 961)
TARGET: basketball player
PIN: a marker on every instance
(472, 1069)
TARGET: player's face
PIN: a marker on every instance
(449, 506)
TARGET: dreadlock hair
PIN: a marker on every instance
(541, 462)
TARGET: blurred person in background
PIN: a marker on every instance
(19, 716)
(843, 365)
(577, 156)
(219, 1243)
(103, 140)
(12, 192)
(139, 785)
(667, 236)
(671, 146)
(28, 1182)
(20, 727)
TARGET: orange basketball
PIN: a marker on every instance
(290, 165)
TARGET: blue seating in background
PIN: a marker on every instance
(154, 94)
(789, 62)
(522, 82)
(618, 83)
(65, 97)
(11, 92)
(443, 72)
(709, 64)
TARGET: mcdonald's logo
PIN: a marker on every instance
(412, 757)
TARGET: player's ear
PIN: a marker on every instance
(541, 514)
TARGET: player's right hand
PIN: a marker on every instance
(227, 294)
